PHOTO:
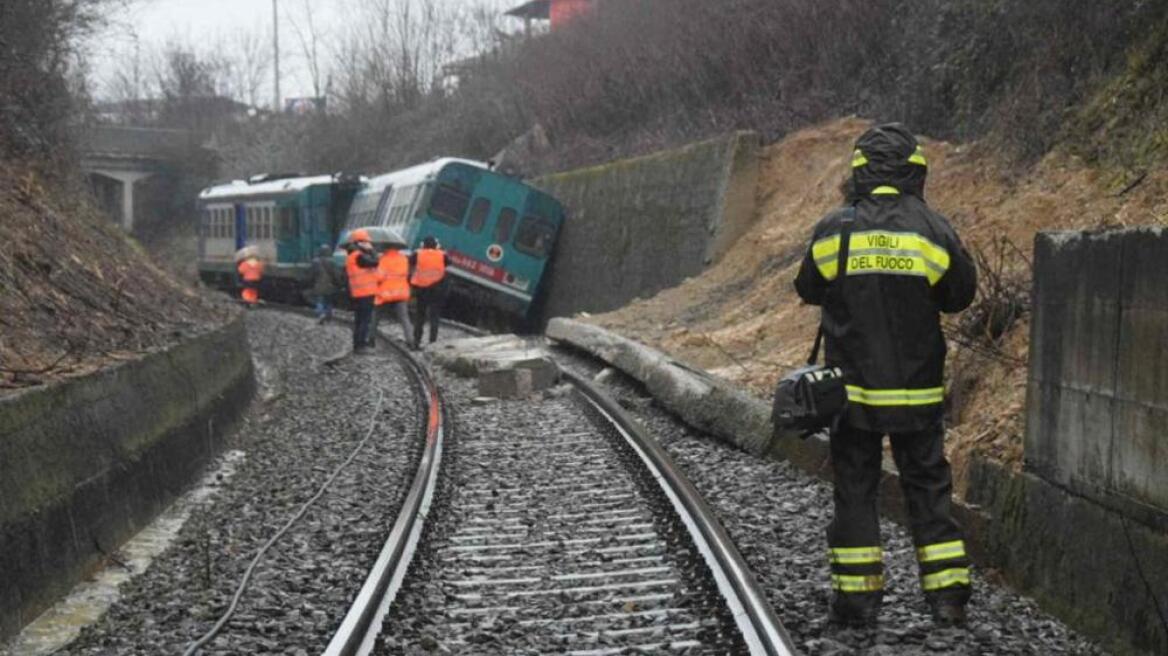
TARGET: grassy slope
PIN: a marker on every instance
(75, 293)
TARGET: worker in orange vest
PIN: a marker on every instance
(251, 271)
(393, 293)
(361, 268)
(428, 280)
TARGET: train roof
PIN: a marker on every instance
(237, 188)
(418, 173)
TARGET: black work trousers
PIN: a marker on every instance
(362, 321)
(430, 302)
(853, 536)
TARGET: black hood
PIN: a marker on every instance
(888, 155)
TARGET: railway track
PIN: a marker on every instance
(559, 530)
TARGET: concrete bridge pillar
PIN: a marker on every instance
(128, 179)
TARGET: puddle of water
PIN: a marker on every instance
(90, 599)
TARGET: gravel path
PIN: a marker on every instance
(777, 515)
(308, 421)
(542, 541)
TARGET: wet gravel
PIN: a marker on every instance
(777, 515)
(544, 540)
(309, 419)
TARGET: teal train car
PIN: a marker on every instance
(500, 233)
(286, 218)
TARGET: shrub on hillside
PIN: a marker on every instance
(639, 75)
(38, 40)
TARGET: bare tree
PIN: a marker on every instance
(248, 60)
(308, 36)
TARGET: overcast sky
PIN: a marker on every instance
(150, 23)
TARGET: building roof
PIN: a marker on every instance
(533, 9)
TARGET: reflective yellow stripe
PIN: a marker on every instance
(849, 583)
(885, 190)
(918, 157)
(856, 555)
(826, 255)
(879, 397)
(945, 578)
(941, 551)
(896, 253)
(858, 159)
(882, 252)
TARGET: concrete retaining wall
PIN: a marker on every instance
(1097, 418)
(86, 463)
(641, 225)
(1099, 571)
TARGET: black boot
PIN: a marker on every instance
(948, 613)
(854, 610)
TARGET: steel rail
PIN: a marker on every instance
(761, 628)
(360, 627)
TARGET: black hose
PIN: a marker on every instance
(214, 631)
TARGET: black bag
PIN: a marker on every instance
(811, 398)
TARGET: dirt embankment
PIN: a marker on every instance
(75, 293)
(742, 319)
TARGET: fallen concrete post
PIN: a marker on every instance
(703, 401)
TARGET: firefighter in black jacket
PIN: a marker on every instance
(904, 264)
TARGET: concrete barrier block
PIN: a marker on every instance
(511, 383)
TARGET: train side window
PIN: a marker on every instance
(505, 225)
(478, 215)
(449, 204)
(285, 223)
(535, 236)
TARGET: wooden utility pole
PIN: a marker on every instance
(276, 47)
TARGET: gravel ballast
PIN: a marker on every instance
(309, 419)
(548, 536)
(777, 515)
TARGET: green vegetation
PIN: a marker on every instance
(1125, 124)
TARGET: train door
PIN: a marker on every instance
(240, 226)
(507, 201)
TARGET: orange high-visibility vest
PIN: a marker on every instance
(362, 281)
(251, 270)
(394, 268)
(430, 269)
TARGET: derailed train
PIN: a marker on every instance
(500, 233)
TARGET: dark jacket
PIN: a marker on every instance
(905, 266)
(323, 277)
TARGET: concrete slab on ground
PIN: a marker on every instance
(507, 366)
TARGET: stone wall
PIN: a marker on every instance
(86, 463)
(638, 226)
